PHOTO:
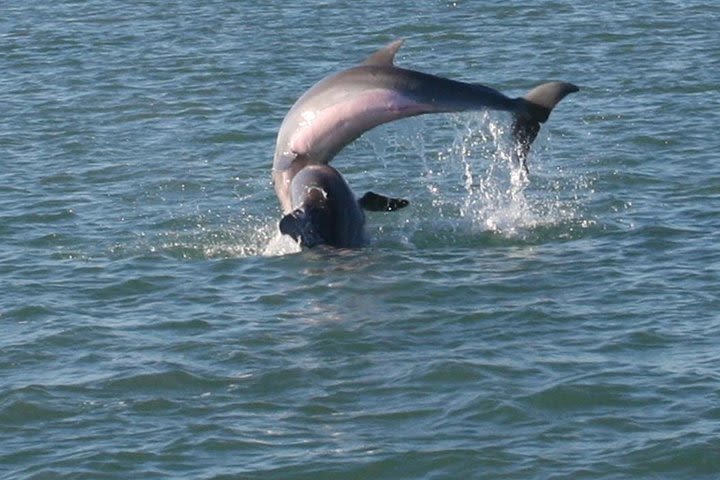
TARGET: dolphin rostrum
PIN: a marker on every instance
(318, 205)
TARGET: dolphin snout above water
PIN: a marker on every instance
(318, 205)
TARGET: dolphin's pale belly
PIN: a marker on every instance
(323, 133)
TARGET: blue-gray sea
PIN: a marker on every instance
(154, 324)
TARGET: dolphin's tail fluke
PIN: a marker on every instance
(537, 105)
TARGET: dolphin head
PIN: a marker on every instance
(298, 225)
(314, 222)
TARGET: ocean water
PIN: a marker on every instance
(561, 325)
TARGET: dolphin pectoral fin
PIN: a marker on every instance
(385, 56)
(536, 105)
(374, 202)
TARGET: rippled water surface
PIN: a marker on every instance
(154, 325)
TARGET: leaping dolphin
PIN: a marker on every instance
(318, 205)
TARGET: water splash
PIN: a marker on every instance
(477, 189)
(207, 236)
(280, 245)
(479, 179)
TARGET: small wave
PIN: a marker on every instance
(29, 405)
(20, 412)
(173, 379)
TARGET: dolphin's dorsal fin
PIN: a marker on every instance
(385, 56)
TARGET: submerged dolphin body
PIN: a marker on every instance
(318, 205)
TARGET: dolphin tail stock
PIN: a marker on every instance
(537, 105)
(374, 202)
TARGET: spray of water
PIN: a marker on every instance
(476, 187)
(230, 233)
(479, 180)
